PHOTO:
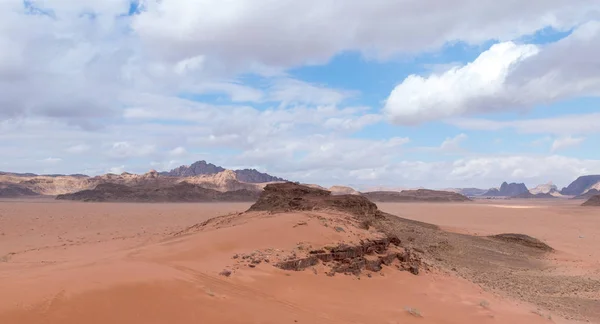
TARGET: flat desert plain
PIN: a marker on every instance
(69, 262)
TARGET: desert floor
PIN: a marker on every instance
(66, 262)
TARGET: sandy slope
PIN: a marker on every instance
(119, 263)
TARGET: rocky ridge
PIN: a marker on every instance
(180, 192)
(507, 190)
(581, 185)
(425, 195)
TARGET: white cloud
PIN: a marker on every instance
(505, 77)
(566, 142)
(562, 125)
(457, 91)
(116, 169)
(178, 151)
(51, 160)
(78, 149)
(124, 150)
(284, 33)
(453, 144)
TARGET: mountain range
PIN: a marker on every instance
(205, 168)
(201, 173)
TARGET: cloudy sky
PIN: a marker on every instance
(397, 93)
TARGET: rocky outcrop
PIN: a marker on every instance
(342, 190)
(529, 195)
(253, 176)
(415, 196)
(507, 190)
(369, 255)
(181, 192)
(288, 196)
(588, 194)
(548, 188)
(11, 190)
(593, 201)
(580, 185)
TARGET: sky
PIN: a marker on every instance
(379, 93)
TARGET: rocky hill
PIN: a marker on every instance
(45, 185)
(581, 185)
(342, 190)
(593, 201)
(180, 192)
(415, 195)
(204, 168)
(507, 190)
(588, 194)
(529, 195)
(548, 188)
(11, 190)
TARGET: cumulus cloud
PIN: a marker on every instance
(508, 76)
(566, 142)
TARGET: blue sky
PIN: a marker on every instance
(391, 94)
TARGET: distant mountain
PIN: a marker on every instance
(529, 195)
(12, 190)
(414, 195)
(180, 192)
(205, 168)
(196, 168)
(588, 194)
(507, 190)
(469, 191)
(253, 176)
(580, 185)
(547, 188)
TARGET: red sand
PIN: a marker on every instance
(118, 263)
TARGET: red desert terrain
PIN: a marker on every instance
(299, 255)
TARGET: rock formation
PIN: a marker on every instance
(548, 188)
(507, 190)
(580, 185)
(204, 168)
(588, 194)
(342, 190)
(11, 190)
(181, 192)
(415, 195)
(593, 201)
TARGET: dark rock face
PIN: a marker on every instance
(204, 168)
(594, 201)
(529, 195)
(580, 185)
(253, 176)
(11, 190)
(285, 197)
(507, 190)
(369, 255)
(181, 192)
(197, 168)
(589, 194)
(414, 195)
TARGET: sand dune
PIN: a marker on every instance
(66, 262)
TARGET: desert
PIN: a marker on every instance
(298, 255)
(299, 161)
